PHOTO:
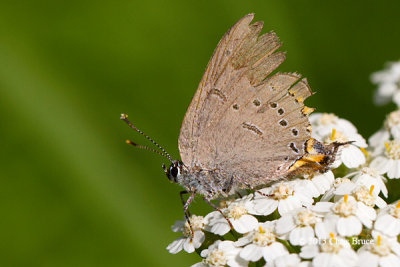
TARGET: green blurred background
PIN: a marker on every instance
(72, 192)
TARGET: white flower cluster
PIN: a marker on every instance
(388, 82)
(338, 218)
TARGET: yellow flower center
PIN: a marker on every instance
(393, 119)
(336, 136)
(306, 218)
(235, 211)
(369, 171)
(345, 208)
(263, 237)
(282, 191)
(331, 245)
(364, 195)
(395, 210)
(197, 223)
(216, 258)
(393, 149)
(381, 247)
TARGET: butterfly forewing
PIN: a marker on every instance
(241, 122)
(216, 71)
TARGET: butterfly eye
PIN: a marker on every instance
(174, 171)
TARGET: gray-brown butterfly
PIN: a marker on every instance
(244, 127)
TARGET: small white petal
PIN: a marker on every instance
(244, 224)
(287, 205)
(394, 171)
(395, 247)
(322, 207)
(188, 246)
(395, 131)
(176, 245)
(365, 214)
(346, 127)
(368, 259)
(204, 253)
(301, 236)
(198, 239)
(383, 188)
(311, 187)
(348, 226)
(251, 252)
(177, 227)
(324, 260)
(323, 181)
(323, 229)
(212, 216)
(273, 251)
(379, 138)
(244, 240)
(388, 225)
(309, 251)
(264, 206)
(328, 195)
(396, 98)
(390, 261)
(287, 260)
(381, 164)
(217, 225)
(345, 188)
(229, 248)
(347, 257)
(352, 157)
(237, 262)
(384, 93)
(285, 224)
(380, 203)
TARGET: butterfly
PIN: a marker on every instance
(245, 127)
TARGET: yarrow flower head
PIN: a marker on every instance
(389, 161)
(333, 252)
(237, 212)
(381, 251)
(348, 215)
(298, 226)
(284, 196)
(392, 124)
(329, 128)
(388, 220)
(368, 176)
(220, 254)
(388, 82)
(332, 218)
(261, 242)
(186, 241)
(368, 196)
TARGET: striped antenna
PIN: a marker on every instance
(164, 153)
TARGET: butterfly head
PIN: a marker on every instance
(174, 171)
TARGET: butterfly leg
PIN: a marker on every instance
(217, 209)
(183, 200)
(185, 210)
